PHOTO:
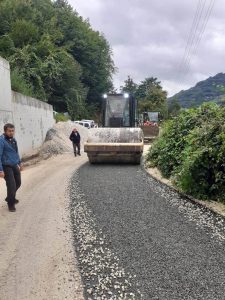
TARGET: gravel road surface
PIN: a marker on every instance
(137, 239)
(37, 259)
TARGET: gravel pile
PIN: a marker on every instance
(57, 139)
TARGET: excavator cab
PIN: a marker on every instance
(118, 141)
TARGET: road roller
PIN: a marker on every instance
(118, 140)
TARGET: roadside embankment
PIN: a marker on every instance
(214, 206)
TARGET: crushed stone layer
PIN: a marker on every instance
(136, 238)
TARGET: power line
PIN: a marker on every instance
(208, 14)
(190, 36)
(196, 33)
(193, 33)
(201, 33)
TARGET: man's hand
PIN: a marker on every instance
(21, 167)
(2, 174)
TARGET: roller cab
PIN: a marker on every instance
(118, 141)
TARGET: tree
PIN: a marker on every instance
(76, 105)
(54, 54)
(151, 96)
(146, 85)
(7, 47)
(174, 107)
(19, 84)
(90, 49)
(129, 86)
(23, 32)
(68, 88)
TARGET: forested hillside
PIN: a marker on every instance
(211, 89)
(54, 54)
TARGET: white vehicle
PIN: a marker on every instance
(92, 122)
(83, 123)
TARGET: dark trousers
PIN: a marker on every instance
(76, 148)
(13, 182)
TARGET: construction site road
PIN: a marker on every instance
(37, 259)
(138, 239)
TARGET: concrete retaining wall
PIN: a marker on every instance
(5, 94)
(31, 117)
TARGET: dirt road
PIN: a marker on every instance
(37, 260)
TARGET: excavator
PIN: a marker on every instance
(150, 126)
(118, 140)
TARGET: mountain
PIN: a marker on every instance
(211, 89)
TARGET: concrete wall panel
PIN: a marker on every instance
(5, 86)
(33, 118)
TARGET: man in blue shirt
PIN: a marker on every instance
(10, 165)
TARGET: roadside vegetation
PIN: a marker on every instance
(55, 55)
(149, 94)
(191, 151)
(60, 117)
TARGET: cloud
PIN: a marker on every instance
(148, 38)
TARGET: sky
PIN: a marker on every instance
(154, 38)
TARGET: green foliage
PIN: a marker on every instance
(6, 46)
(76, 106)
(129, 86)
(23, 32)
(191, 150)
(50, 46)
(174, 108)
(89, 48)
(151, 97)
(60, 117)
(20, 85)
(207, 90)
(149, 93)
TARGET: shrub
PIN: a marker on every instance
(59, 117)
(19, 84)
(191, 150)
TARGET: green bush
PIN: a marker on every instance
(59, 117)
(19, 84)
(191, 151)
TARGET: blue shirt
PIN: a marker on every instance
(9, 155)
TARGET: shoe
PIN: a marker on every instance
(79, 154)
(11, 208)
(16, 201)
